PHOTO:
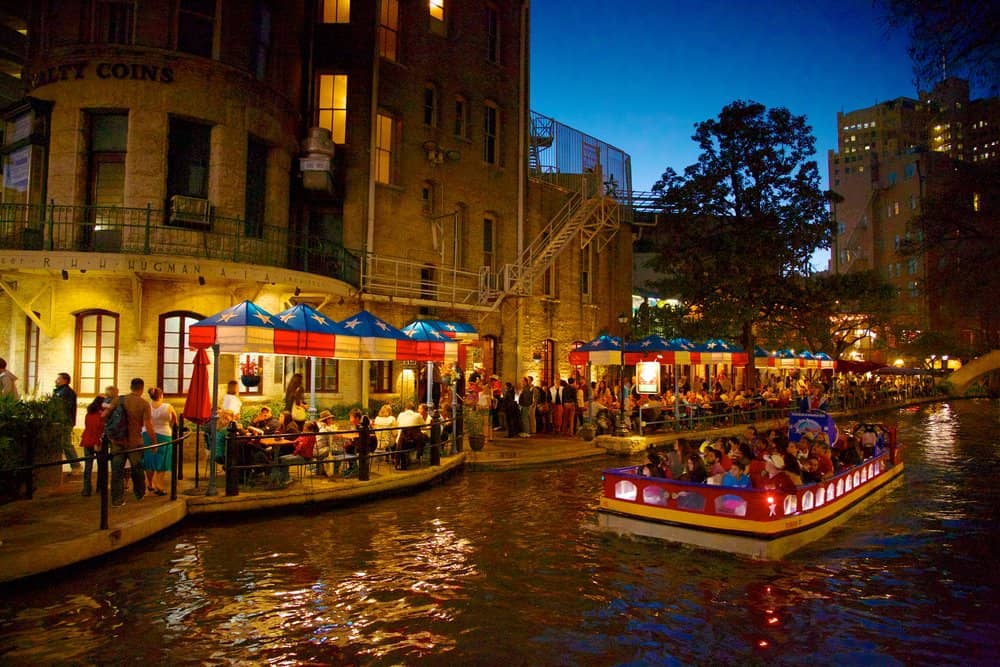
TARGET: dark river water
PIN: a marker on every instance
(505, 569)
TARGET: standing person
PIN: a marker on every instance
(526, 403)
(512, 413)
(231, 401)
(569, 395)
(556, 400)
(67, 396)
(156, 462)
(294, 392)
(8, 381)
(93, 429)
(138, 415)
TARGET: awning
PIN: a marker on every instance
(460, 331)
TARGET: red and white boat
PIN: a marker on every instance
(760, 523)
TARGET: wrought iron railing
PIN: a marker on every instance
(149, 231)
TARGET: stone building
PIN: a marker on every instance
(171, 158)
(889, 157)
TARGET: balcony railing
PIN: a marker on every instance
(147, 231)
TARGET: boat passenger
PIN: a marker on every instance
(712, 464)
(810, 471)
(736, 476)
(653, 466)
(775, 476)
(694, 470)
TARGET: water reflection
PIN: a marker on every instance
(503, 569)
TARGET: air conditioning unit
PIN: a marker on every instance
(190, 211)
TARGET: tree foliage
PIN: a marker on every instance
(743, 220)
(960, 35)
(830, 312)
(957, 233)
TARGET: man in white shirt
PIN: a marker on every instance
(411, 435)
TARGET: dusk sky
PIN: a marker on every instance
(639, 74)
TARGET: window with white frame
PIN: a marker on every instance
(176, 357)
(96, 351)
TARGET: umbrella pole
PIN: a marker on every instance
(197, 448)
(211, 490)
(312, 383)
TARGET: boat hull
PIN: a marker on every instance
(766, 540)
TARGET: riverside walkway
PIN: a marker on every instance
(59, 527)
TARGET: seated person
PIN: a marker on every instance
(411, 435)
(810, 471)
(353, 444)
(694, 470)
(737, 476)
(305, 445)
(775, 477)
(712, 464)
(264, 422)
(653, 466)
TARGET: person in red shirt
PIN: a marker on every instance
(821, 450)
(775, 476)
(93, 428)
(305, 445)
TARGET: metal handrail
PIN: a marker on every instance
(149, 231)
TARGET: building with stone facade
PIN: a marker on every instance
(171, 158)
(889, 157)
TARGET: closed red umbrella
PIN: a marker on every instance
(198, 404)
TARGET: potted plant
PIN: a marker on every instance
(249, 372)
(474, 425)
(587, 430)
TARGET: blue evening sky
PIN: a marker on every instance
(638, 74)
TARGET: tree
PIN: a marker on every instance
(744, 219)
(831, 312)
(957, 233)
(953, 36)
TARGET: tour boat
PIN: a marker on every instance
(760, 523)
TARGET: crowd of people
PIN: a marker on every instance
(765, 461)
(268, 444)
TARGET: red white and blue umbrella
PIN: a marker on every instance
(366, 336)
(604, 351)
(432, 344)
(243, 328)
(315, 333)
(460, 331)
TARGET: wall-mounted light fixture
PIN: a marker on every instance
(536, 355)
(297, 291)
(65, 274)
(201, 280)
(437, 155)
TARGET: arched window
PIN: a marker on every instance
(96, 351)
(175, 358)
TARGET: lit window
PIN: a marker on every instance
(490, 129)
(388, 30)
(336, 11)
(32, 335)
(383, 149)
(176, 359)
(436, 8)
(96, 351)
(380, 377)
(332, 106)
(975, 202)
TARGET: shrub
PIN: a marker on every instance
(32, 431)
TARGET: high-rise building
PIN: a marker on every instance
(889, 157)
(170, 158)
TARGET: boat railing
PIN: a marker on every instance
(764, 505)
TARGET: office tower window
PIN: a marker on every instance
(388, 30)
(335, 11)
(331, 106)
(196, 27)
(96, 353)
